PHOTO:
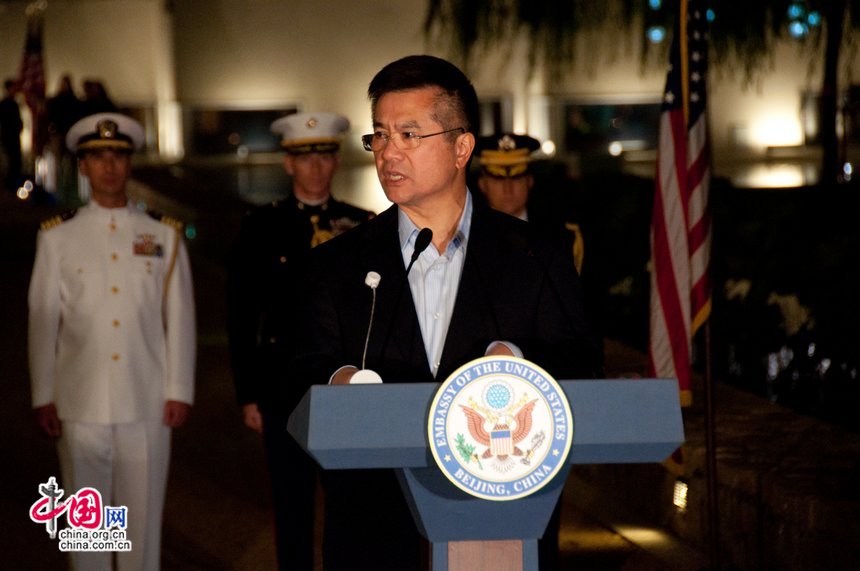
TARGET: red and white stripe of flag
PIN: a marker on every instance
(680, 223)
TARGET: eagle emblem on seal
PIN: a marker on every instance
(502, 424)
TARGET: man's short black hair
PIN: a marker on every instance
(419, 71)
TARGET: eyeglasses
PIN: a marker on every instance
(404, 141)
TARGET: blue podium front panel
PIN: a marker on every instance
(384, 426)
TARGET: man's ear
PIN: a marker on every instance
(463, 146)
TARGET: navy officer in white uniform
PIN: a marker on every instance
(112, 340)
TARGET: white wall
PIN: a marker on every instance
(320, 55)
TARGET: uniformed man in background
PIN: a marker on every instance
(272, 241)
(506, 181)
(112, 340)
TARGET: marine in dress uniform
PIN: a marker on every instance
(273, 241)
(112, 340)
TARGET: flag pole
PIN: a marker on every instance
(710, 412)
(711, 457)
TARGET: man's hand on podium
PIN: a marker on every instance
(350, 375)
(344, 375)
(500, 348)
(252, 417)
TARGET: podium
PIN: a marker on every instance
(384, 426)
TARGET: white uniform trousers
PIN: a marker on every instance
(127, 464)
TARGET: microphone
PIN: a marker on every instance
(371, 280)
(421, 242)
(366, 376)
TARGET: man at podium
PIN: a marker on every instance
(431, 283)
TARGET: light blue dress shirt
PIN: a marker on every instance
(434, 280)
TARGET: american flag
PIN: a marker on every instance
(31, 77)
(680, 221)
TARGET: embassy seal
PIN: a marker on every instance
(500, 428)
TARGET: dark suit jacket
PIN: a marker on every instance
(515, 286)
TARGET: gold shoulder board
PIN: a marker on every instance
(169, 220)
(55, 221)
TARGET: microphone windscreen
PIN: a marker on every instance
(372, 279)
